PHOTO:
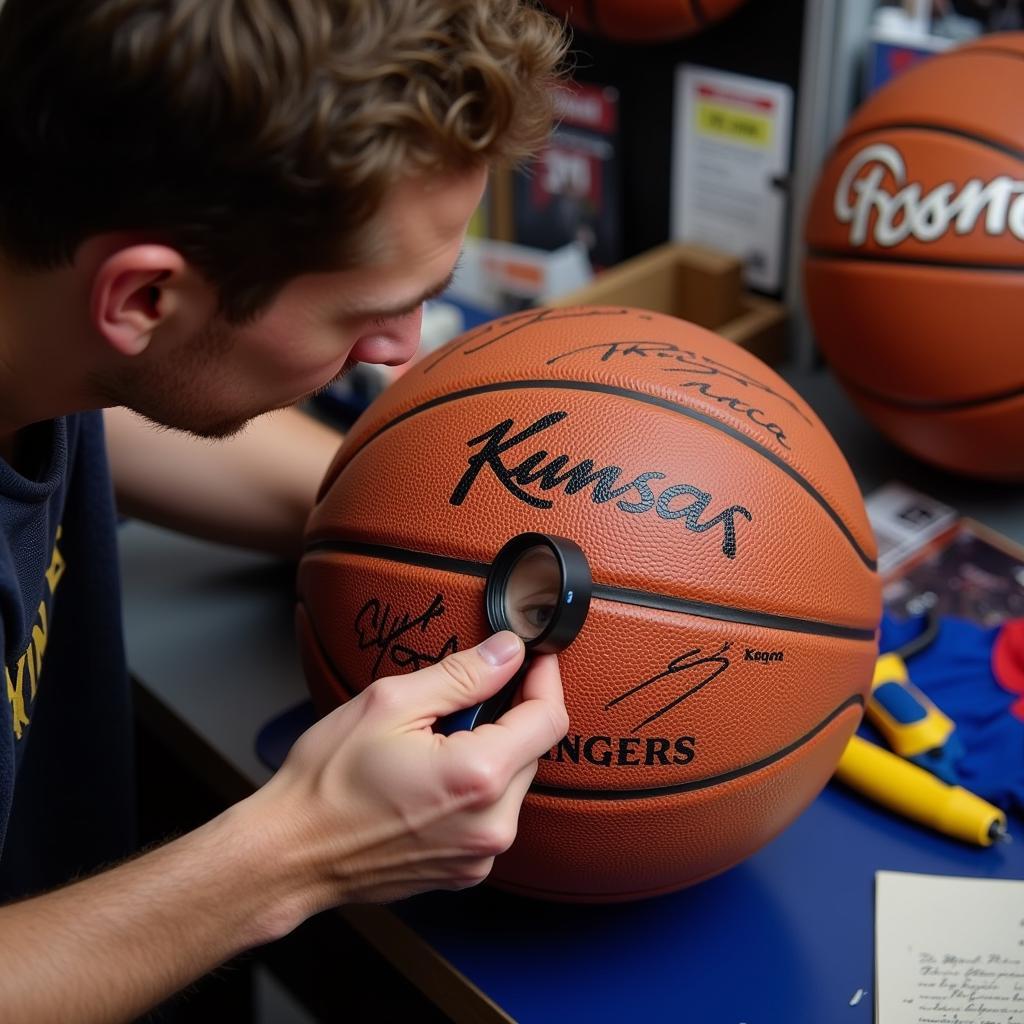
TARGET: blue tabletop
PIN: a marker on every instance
(786, 937)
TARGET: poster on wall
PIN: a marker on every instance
(570, 191)
(730, 161)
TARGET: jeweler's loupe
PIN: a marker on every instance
(539, 587)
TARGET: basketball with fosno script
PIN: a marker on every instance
(914, 273)
(730, 640)
(642, 21)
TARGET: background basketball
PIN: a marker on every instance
(915, 263)
(642, 20)
(730, 640)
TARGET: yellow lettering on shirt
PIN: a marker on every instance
(16, 695)
(57, 564)
(32, 659)
(40, 631)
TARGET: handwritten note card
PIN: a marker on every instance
(948, 950)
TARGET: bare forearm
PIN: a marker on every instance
(108, 948)
(370, 805)
(253, 490)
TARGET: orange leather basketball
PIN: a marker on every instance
(731, 637)
(642, 20)
(915, 266)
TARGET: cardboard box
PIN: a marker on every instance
(693, 283)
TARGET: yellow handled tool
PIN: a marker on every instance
(918, 794)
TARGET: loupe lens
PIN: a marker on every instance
(539, 587)
(533, 591)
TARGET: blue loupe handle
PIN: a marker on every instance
(487, 711)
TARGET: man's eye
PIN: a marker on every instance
(538, 615)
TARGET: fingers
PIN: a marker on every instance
(513, 797)
(456, 682)
(487, 834)
(544, 680)
(539, 720)
(492, 765)
(481, 763)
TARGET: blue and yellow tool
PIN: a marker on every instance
(912, 725)
(927, 788)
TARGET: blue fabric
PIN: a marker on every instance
(66, 771)
(955, 671)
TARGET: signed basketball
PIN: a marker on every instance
(914, 273)
(730, 640)
(644, 21)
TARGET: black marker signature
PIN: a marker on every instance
(378, 626)
(756, 416)
(680, 360)
(682, 663)
(498, 330)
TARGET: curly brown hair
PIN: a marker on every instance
(258, 137)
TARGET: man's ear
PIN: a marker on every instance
(134, 290)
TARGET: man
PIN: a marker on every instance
(210, 209)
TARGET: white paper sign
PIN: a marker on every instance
(948, 950)
(731, 144)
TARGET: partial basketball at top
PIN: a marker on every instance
(643, 21)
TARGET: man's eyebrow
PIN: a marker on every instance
(409, 307)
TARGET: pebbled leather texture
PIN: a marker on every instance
(913, 274)
(730, 643)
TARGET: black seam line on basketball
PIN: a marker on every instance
(926, 406)
(841, 255)
(699, 14)
(930, 126)
(406, 556)
(605, 592)
(328, 660)
(639, 396)
(652, 792)
(727, 613)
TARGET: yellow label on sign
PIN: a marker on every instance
(733, 124)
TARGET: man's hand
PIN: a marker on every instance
(371, 805)
(378, 806)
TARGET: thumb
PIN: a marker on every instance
(463, 678)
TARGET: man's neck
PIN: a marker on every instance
(41, 348)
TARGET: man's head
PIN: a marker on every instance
(203, 374)
(258, 144)
(258, 138)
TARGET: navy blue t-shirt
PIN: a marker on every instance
(66, 770)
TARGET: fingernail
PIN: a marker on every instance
(501, 647)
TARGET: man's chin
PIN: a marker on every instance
(205, 428)
(347, 368)
(222, 431)
(226, 428)
(218, 430)
(231, 427)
